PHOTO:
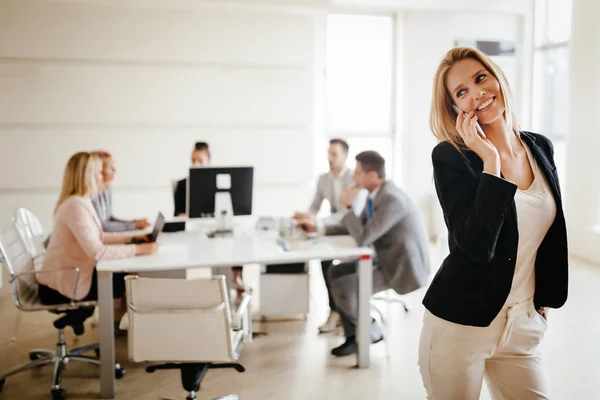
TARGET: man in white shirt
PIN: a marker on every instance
(333, 186)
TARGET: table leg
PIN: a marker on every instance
(107, 335)
(365, 289)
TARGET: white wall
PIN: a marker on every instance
(496, 6)
(145, 80)
(425, 31)
(583, 141)
(425, 36)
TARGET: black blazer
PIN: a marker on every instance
(475, 279)
(179, 197)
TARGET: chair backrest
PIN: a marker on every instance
(32, 231)
(180, 320)
(18, 261)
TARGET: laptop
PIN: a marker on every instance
(158, 227)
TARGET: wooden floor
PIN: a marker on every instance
(293, 362)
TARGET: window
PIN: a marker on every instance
(551, 75)
(359, 84)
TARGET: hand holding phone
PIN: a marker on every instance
(482, 146)
(477, 126)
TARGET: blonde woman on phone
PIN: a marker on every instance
(77, 239)
(487, 307)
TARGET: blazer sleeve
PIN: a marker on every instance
(118, 226)
(318, 199)
(474, 215)
(179, 197)
(388, 212)
(114, 224)
(335, 229)
(550, 150)
(116, 238)
(89, 237)
(358, 205)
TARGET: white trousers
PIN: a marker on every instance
(454, 358)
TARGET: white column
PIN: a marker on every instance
(583, 146)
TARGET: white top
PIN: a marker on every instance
(182, 250)
(536, 211)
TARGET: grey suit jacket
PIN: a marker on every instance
(325, 190)
(398, 235)
(103, 206)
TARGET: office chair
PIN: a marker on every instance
(32, 232)
(190, 327)
(389, 297)
(24, 287)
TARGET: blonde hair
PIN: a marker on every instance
(442, 120)
(80, 177)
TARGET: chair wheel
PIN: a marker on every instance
(34, 356)
(119, 372)
(2, 382)
(58, 394)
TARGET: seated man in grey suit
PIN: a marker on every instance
(103, 201)
(330, 187)
(392, 224)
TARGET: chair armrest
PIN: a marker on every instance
(238, 314)
(55, 271)
(167, 310)
(46, 271)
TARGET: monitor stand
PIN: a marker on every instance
(223, 214)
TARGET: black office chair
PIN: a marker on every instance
(193, 373)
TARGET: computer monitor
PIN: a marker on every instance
(205, 182)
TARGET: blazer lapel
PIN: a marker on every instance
(108, 198)
(363, 214)
(381, 189)
(540, 157)
(474, 162)
(543, 163)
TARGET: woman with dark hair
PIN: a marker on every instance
(201, 158)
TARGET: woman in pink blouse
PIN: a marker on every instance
(77, 239)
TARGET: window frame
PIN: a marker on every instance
(373, 133)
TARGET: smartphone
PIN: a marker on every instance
(477, 126)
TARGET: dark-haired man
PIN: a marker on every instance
(391, 223)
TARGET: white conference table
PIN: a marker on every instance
(193, 249)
